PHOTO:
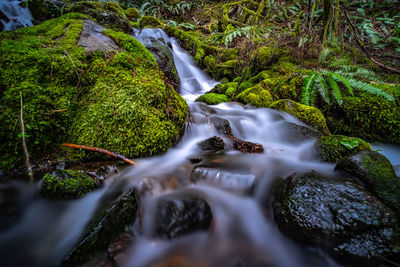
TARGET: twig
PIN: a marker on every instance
(21, 120)
(59, 110)
(100, 150)
(364, 49)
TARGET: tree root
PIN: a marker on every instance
(100, 150)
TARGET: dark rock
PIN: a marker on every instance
(178, 216)
(295, 133)
(213, 144)
(165, 60)
(93, 40)
(45, 9)
(378, 175)
(67, 184)
(336, 214)
(241, 182)
(110, 224)
(222, 126)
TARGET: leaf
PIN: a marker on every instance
(350, 144)
(307, 89)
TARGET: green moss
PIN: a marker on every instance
(229, 54)
(265, 57)
(334, 147)
(309, 115)
(230, 92)
(229, 69)
(43, 9)
(256, 96)
(67, 184)
(149, 21)
(368, 116)
(121, 93)
(210, 63)
(212, 98)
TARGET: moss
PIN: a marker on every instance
(334, 147)
(122, 93)
(149, 21)
(229, 54)
(265, 57)
(230, 92)
(229, 69)
(212, 98)
(309, 115)
(367, 116)
(210, 63)
(67, 184)
(43, 9)
(256, 96)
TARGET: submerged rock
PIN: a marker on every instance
(109, 224)
(334, 147)
(241, 182)
(67, 184)
(336, 214)
(377, 173)
(178, 216)
(212, 144)
(222, 126)
(295, 133)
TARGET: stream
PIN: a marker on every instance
(35, 231)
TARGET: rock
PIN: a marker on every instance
(178, 216)
(212, 98)
(309, 115)
(165, 60)
(334, 147)
(240, 182)
(149, 21)
(109, 224)
(222, 126)
(67, 184)
(213, 144)
(132, 14)
(257, 96)
(295, 133)
(93, 40)
(336, 214)
(377, 173)
(45, 9)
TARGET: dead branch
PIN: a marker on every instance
(21, 120)
(59, 110)
(363, 47)
(245, 146)
(100, 150)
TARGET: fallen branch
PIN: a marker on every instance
(21, 121)
(59, 110)
(245, 146)
(100, 150)
(364, 49)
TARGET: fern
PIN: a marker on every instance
(326, 84)
(238, 32)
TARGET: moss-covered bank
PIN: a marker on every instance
(115, 100)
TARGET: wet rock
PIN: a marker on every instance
(67, 184)
(178, 216)
(222, 126)
(377, 173)
(109, 225)
(295, 133)
(213, 144)
(336, 214)
(45, 9)
(334, 147)
(93, 40)
(165, 60)
(240, 182)
(212, 98)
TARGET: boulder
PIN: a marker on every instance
(212, 144)
(336, 214)
(212, 98)
(93, 40)
(67, 184)
(334, 147)
(377, 173)
(178, 216)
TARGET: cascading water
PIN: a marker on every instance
(15, 16)
(234, 184)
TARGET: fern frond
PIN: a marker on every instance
(322, 88)
(335, 90)
(326, 52)
(366, 87)
(344, 80)
(307, 89)
(368, 75)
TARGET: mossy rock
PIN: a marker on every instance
(377, 173)
(332, 148)
(256, 96)
(44, 9)
(229, 69)
(309, 115)
(230, 92)
(120, 92)
(149, 21)
(265, 57)
(108, 14)
(368, 116)
(67, 184)
(212, 98)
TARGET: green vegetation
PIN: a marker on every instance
(213, 98)
(334, 147)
